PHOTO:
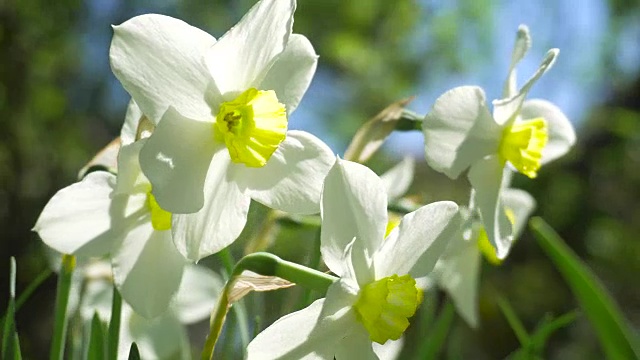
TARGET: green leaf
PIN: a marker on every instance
(10, 341)
(547, 327)
(134, 354)
(114, 324)
(513, 320)
(434, 340)
(616, 337)
(62, 300)
(97, 349)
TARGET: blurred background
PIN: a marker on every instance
(60, 104)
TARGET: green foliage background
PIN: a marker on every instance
(56, 112)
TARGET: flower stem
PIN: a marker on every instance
(268, 265)
(114, 324)
(62, 300)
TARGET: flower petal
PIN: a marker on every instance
(390, 350)
(292, 72)
(486, 178)
(562, 136)
(506, 110)
(197, 294)
(243, 56)
(176, 159)
(131, 121)
(459, 130)
(520, 49)
(356, 345)
(457, 273)
(158, 60)
(130, 178)
(78, 219)
(398, 179)
(163, 337)
(416, 244)
(354, 205)
(522, 204)
(221, 219)
(292, 337)
(147, 270)
(310, 333)
(292, 179)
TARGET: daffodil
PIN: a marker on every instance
(119, 216)
(376, 295)
(458, 270)
(461, 133)
(221, 112)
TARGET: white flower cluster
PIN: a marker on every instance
(206, 133)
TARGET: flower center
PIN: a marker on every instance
(160, 218)
(385, 306)
(486, 249)
(522, 145)
(252, 126)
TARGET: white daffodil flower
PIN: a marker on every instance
(461, 133)
(103, 215)
(458, 270)
(376, 294)
(221, 114)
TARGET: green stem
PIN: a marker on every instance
(268, 265)
(62, 300)
(114, 324)
(239, 311)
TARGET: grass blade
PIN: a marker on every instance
(10, 342)
(62, 300)
(615, 335)
(97, 350)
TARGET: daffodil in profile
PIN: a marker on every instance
(221, 110)
(461, 133)
(372, 303)
(118, 216)
(458, 270)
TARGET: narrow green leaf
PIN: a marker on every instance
(62, 300)
(547, 327)
(134, 354)
(616, 337)
(513, 320)
(97, 349)
(114, 325)
(26, 293)
(435, 339)
(10, 342)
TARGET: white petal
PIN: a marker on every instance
(78, 219)
(459, 130)
(292, 72)
(398, 179)
(96, 299)
(520, 49)
(221, 219)
(147, 269)
(292, 337)
(356, 345)
(159, 61)
(562, 136)
(390, 350)
(522, 204)
(457, 273)
(243, 56)
(131, 121)
(505, 110)
(310, 333)
(160, 338)
(198, 294)
(176, 159)
(130, 179)
(354, 205)
(486, 178)
(292, 179)
(416, 244)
